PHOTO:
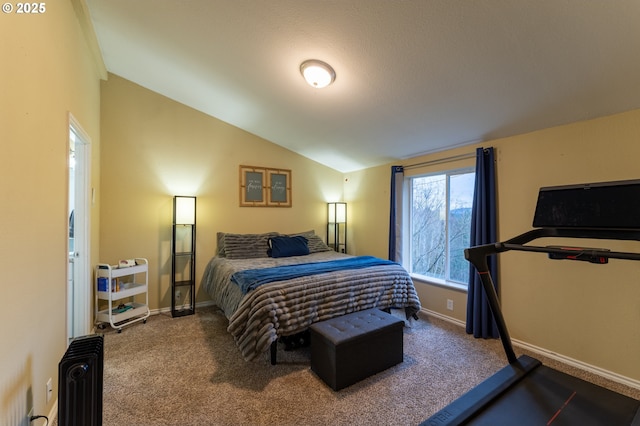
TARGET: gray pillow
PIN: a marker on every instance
(220, 244)
(244, 246)
(314, 242)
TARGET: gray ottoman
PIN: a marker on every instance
(352, 347)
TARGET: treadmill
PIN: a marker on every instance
(526, 392)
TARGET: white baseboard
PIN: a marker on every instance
(610, 375)
(159, 311)
(443, 317)
(168, 310)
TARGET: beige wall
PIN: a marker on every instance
(154, 148)
(47, 71)
(579, 310)
(367, 196)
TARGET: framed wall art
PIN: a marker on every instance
(278, 188)
(264, 187)
(253, 189)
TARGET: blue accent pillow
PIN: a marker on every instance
(288, 246)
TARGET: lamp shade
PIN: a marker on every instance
(337, 212)
(185, 210)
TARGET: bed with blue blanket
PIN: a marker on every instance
(271, 286)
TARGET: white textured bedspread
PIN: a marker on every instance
(288, 307)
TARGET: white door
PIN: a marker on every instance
(79, 272)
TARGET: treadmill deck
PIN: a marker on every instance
(529, 393)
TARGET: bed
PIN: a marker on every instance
(288, 300)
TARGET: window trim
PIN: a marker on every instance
(451, 285)
(406, 228)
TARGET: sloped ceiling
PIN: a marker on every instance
(413, 76)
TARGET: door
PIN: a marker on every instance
(79, 272)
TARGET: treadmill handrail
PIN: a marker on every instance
(477, 256)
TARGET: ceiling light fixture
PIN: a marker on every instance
(317, 73)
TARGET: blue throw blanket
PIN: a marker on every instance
(253, 278)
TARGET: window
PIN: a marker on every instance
(440, 225)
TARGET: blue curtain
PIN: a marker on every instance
(480, 321)
(395, 221)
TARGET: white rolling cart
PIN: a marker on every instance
(114, 284)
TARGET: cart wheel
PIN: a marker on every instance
(119, 330)
(144, 321)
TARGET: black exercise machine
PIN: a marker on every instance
(525, 392)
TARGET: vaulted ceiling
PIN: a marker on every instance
(412, 76)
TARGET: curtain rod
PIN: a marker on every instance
(442, 160)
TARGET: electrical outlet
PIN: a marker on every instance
(49, 390)
(178, 295)
(450, 304)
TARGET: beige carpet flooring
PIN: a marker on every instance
(188, 371)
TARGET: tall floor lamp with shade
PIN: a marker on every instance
(183, 256)
(337, 226)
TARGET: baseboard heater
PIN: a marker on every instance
(80, 382)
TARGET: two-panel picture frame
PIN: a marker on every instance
(265, 187)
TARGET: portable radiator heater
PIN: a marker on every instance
(80, 382)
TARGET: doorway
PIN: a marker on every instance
(79, 272)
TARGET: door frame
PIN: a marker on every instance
(79, 312)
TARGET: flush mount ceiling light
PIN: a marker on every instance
(317, 73)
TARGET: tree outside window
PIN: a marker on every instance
(440, 225)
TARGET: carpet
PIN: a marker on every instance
(188, 371)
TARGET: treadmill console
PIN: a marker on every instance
(607, 205)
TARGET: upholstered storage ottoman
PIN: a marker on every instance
(347, 349)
